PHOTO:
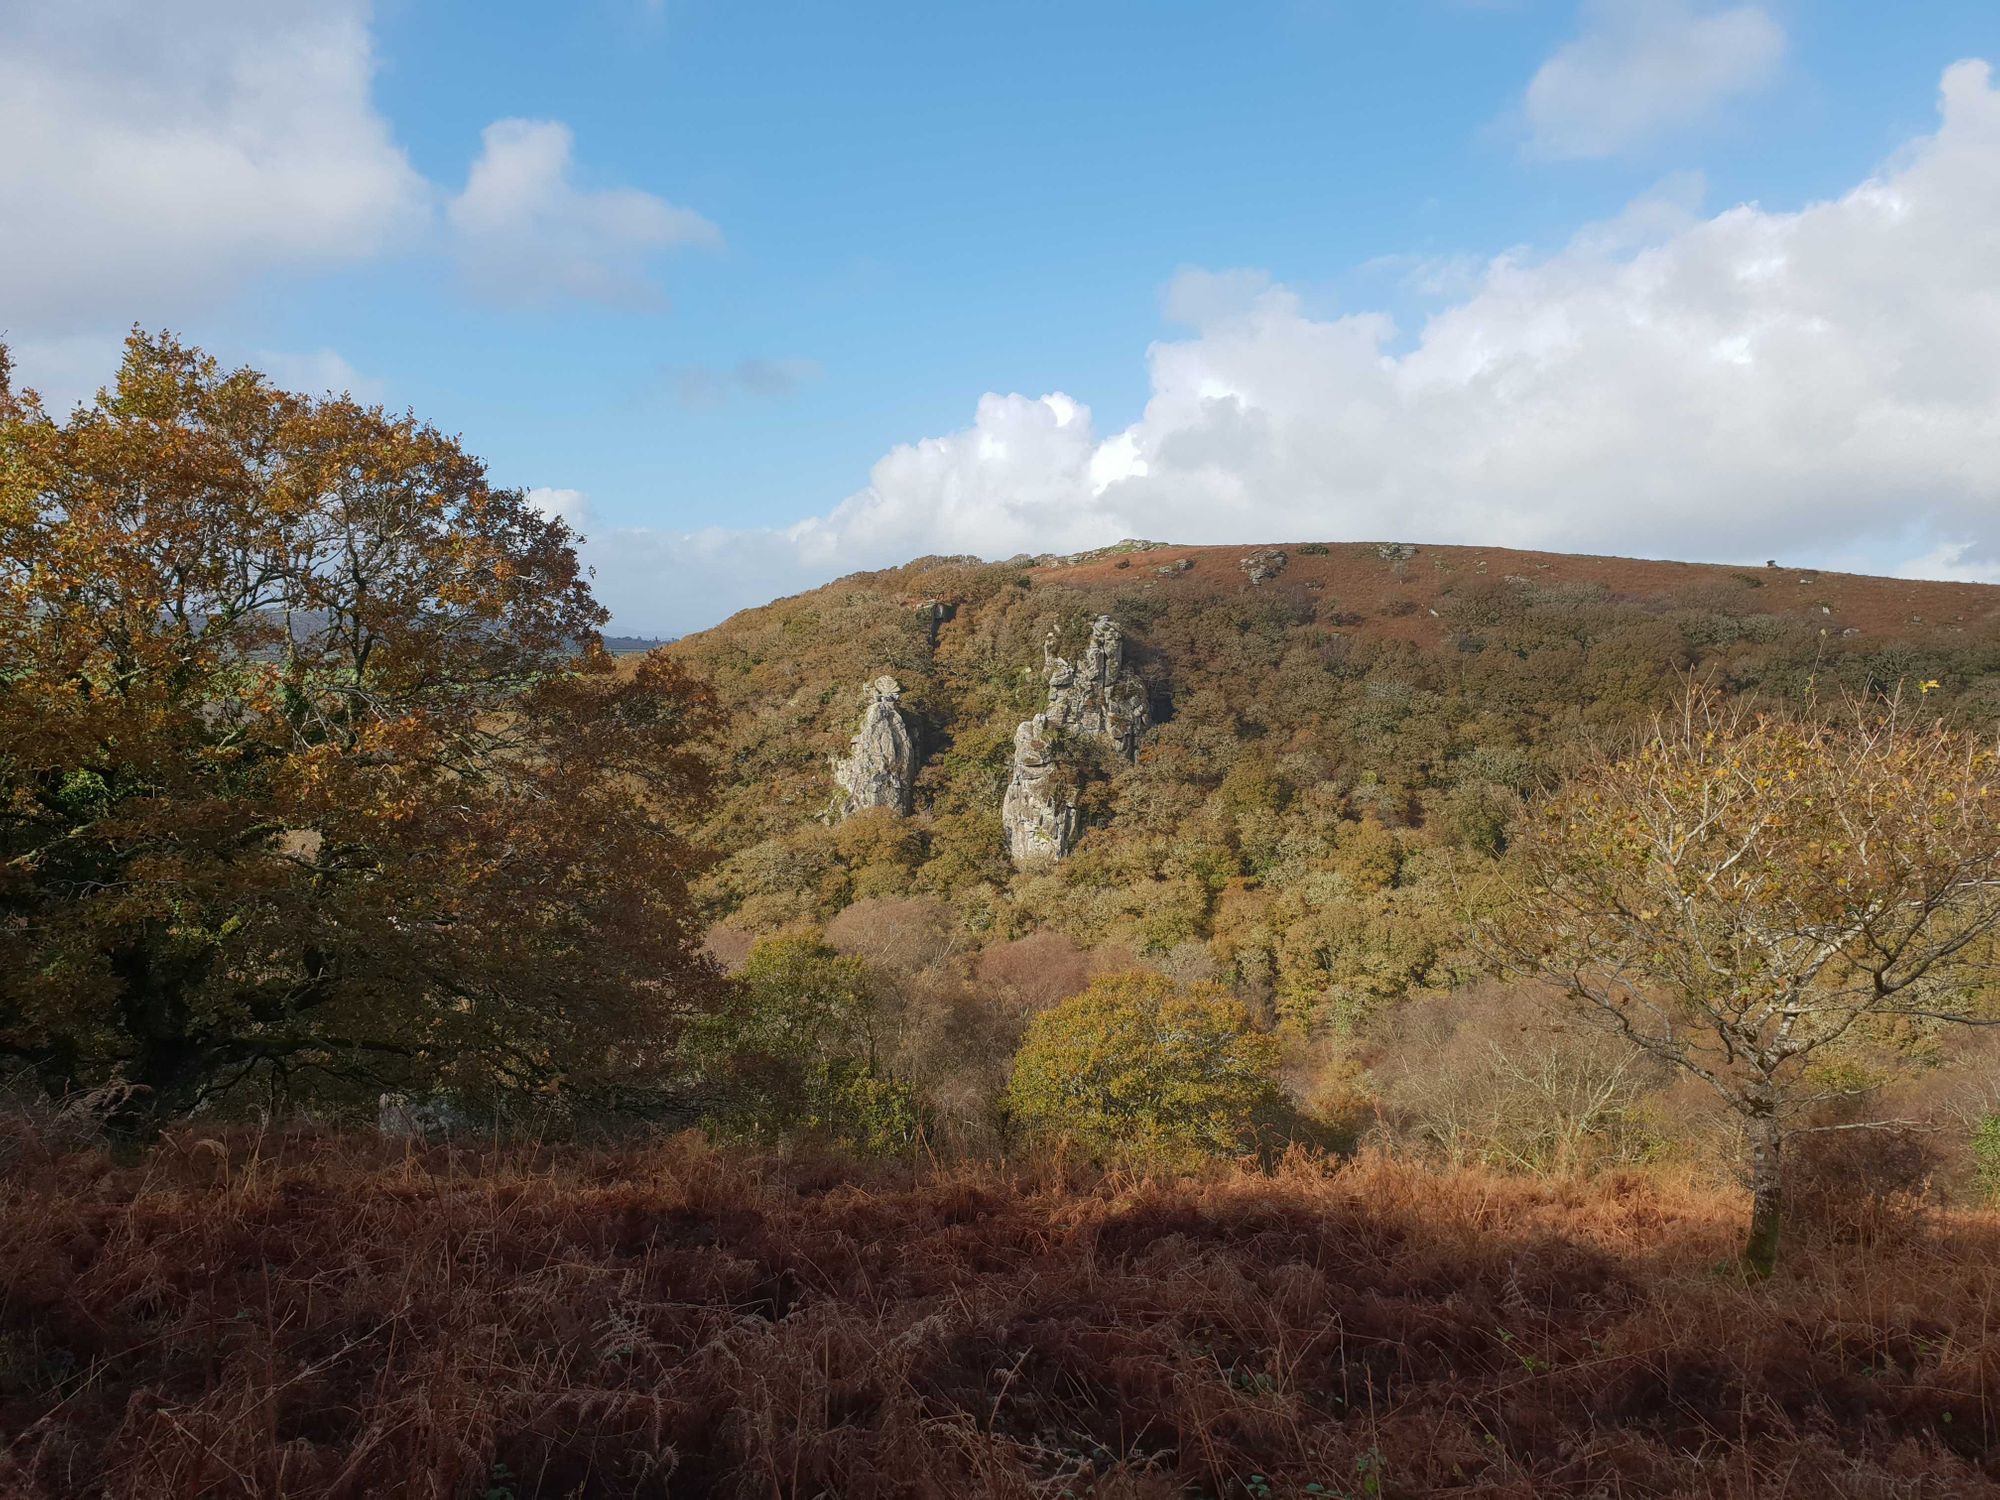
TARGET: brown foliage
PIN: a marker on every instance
(1034, 972)
(906, 935)
(311, 765)
(236, 1315)
(1862, 1185)
(1497, 1075)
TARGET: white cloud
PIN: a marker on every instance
(317, 372)
(155, 159)
(1644, 67)
(66, 369)
(526, 233)
(1949, 561)
(1816, 385)
(571, 506)
(157, 154)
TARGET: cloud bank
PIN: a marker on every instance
(1821, 385)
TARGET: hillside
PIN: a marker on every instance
(1348, 729)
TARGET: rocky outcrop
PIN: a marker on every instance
(1039, 812)
(1097, 694)
(1264, 563)
(1096, 697)
(881, 768)
(932, 615)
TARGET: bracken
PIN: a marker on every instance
(303, 1313)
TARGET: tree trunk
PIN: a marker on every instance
(1760, 1249)
(166, 1064)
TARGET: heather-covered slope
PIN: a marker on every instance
(1337, 727)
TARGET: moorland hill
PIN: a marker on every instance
(1330, 731)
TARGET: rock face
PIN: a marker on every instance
(933, 613)
(1039, 812)
(1096, 696)
(881, 768)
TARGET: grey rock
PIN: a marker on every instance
(1039, 812)
(933, 613)
(420, 1116)
(880, 770)
(1178, 565)
(1396, 552)
(1096, 696)
(1265, 563)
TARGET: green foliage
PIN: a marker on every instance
(1140, 1067)
(795, 1051)
(1986, 1157)
(1339, 755)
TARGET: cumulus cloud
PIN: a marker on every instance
(1952, 562)
(160, 157)
(526, 233)
(1640, 68)
(158, 154)
(1818, 385)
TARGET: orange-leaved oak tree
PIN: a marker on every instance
(313, 771)
(1745, 894)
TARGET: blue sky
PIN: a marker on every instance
(759, 293)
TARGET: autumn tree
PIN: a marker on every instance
(1141, 1066)
(1746, 895)
(797, 1046)
(312, 769)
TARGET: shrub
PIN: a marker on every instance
(795, 1051)
(1140, 1067)
(1860, 1186)
(1492, 1076)
(1034, 972)
(1986, 1157)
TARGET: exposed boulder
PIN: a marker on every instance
(1096, 696)
(1264, 563)
(420, 1116)
(881, 768)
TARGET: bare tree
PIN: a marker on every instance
(1746, 894)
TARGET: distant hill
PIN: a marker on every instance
(634, 645)
(1336, 727)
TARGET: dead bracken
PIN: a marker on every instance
(310, 1314)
